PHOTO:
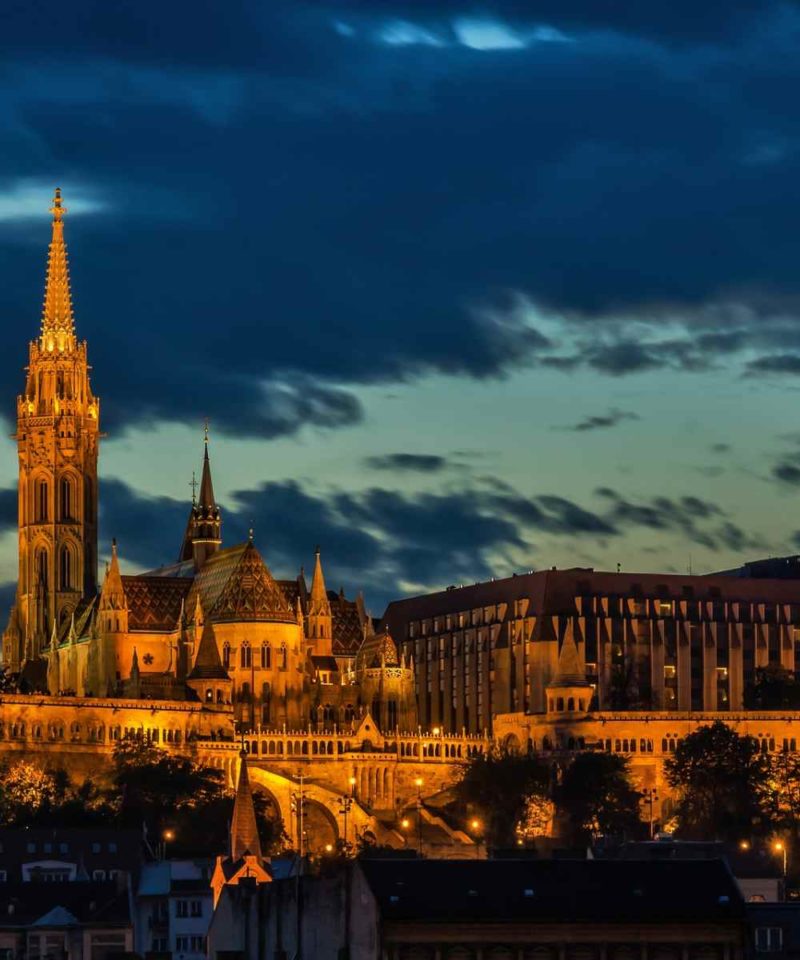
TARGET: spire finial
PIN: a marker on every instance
(58, 327)
(205, 432)
(58, 209)
(193, 485)
(250, 535)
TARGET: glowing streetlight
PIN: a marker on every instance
(780, 847)
(437, 731)
(405, 823)
(475, 824)
(352, 786)
(328, 848)
(166, 837)
(744, 844)
(418, 783)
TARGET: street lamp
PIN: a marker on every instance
(744, 844)
(166, 837)
(345, 803)
(352, 786)
(650, 796)
(418, 784)
(780, 847)
(475, 826)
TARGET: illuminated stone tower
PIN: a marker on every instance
(203, 535)
(57, 434)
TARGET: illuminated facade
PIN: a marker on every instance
(199, 652)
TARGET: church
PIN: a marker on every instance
(213, 627)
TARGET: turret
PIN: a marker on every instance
(208, 678)
(113, 613)
(319, 621)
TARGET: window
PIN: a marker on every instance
(198, 944)
(98, 874)
(41, 501)
(31, 848)
(65, 568)
(196, 908)
(96, 848)
(182, 909)
(66, 500)
(3, 876)
(266, 656)
(226, 655)
(112, 847)
(769, 939)
(245, 656)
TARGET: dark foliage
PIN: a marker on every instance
(595, 797)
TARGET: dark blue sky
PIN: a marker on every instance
(463, 288)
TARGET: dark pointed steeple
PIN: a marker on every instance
(204, 530)
(244, 829)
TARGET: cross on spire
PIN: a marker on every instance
(194, 485)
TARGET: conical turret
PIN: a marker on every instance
(113, 602)
(244, 828)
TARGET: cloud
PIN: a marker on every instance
(407, 462)
(390, 543)
(602, 421)
(273, 284)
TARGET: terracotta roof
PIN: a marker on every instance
(348, 632)
(154, 603)
(378, 650)
(248, 592)
(83, 612)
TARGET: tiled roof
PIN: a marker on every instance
(378, 650)
(348, 633)
(249, 592)
(207, 664)
(154, 603)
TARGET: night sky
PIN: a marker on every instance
(463, 289)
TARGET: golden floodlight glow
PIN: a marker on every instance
(405, 823)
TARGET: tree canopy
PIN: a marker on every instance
(595, 797)
(720, 779)
(150, 789)
(498, 787)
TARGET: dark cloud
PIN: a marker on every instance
(390, 543)
(407, 462)
(774, 363)
(601, 421)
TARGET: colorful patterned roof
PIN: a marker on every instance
(348, 630)
(154, 603)
(249, 593)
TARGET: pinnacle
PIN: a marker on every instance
(58, 325)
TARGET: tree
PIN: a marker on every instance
(498, 786)
(595, 797)
(774, 688)
(161, 790)
(720, 779)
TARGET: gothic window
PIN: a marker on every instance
(41, 499)
(226, 655)
(65, 568)
(41, 567)
(266, 656)
(244, 693)
(282, 663)
(66, 499)
(391, 714)
(245, 656)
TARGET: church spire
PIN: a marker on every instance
(58, 325)
(319, 622)
(204, 530)
(244, 829)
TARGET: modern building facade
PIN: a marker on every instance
(644, 642)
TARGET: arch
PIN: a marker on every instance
(511, 743)
(42, 567)
(266, 656)
(226, 655)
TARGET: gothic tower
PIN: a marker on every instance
(204, 530)
(57, 434)
(319, 620)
